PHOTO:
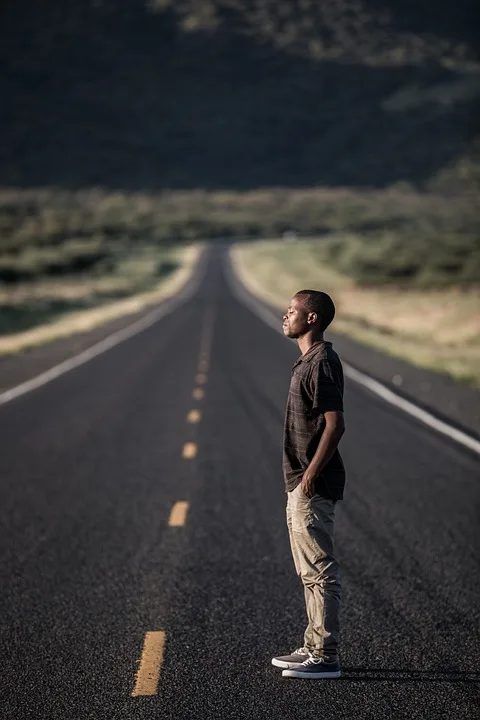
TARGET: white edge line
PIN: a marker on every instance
(115, 338)
(359, 377)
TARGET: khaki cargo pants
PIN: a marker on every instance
(311, 529)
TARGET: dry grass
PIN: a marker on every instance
(435, 329)
(85, 320)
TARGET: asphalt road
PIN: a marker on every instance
(90, 468)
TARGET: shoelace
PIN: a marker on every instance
(312, 661)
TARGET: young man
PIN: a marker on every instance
(315, 479)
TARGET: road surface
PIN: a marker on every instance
(118, 603)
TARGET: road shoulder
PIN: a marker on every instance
(454, 402)
(33, 361)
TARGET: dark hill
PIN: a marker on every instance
(231, 94)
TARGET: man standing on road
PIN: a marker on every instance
(315, 479)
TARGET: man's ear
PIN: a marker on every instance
(312, 318)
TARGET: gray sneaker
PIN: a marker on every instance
(314, 669)
(291, 661)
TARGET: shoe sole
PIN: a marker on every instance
(312, 676)
(284, 664)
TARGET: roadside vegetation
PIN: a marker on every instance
(66, 251)
(49, 319)
(69, 263)
(435, 327)
(134, 128)
(375, 236)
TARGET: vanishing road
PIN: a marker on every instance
(143, 532)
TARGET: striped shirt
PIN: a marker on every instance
(315, 388)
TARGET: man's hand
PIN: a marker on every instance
(308, 486)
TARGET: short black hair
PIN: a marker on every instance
(320, 303)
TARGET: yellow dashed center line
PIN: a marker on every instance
(151, 661)
(207, 335)
(189, 450)
(194, 416)
(178, 514)
(150, 664)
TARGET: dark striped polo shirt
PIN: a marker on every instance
(315, 388)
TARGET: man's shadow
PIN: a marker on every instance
(409, 676)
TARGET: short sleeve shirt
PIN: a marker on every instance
(316, 387)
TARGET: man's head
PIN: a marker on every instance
(309, 311)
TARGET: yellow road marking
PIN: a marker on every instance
(150, 663)
(178, 514)
(189, 450)
(194, 416)
(198, 393)
(201, 378)
(207, 334)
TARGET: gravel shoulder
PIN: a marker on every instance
(451, 400)
(454, 402)
(30, 361)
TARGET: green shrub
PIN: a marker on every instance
(404, 260)
(390, 236)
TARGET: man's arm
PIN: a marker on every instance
(334, 429)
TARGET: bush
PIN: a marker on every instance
(404, 260)
(390, 236)
(73, 257)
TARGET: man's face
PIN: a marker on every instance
(295, 320)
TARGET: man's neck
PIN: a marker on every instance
(306, 341)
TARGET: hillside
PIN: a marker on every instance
(238, 94)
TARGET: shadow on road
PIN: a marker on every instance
(401, 675)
